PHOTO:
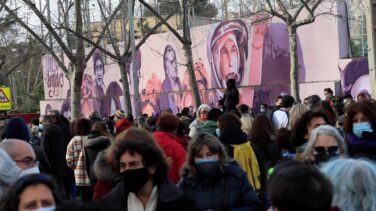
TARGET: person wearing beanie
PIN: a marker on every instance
(201, 117)
(119, 114)
(165, 136)
(16, 128)
(121, 125)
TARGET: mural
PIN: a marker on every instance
(355, 77)
(254, 52)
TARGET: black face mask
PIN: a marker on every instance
(207, 170)
(323, 157)
(135, 179)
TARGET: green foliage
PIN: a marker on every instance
(357, 49)
(203, 8)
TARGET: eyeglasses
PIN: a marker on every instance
(332, 150)
(29, 162)
(204, 112)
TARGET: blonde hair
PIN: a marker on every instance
(246, 121)
(295, 113)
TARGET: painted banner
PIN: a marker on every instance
(254, 52)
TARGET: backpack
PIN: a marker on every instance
(246, 157)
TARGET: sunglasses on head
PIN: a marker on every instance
(332, 150)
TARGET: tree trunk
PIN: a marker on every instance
(79, 65)
(125, 85)
(188, 53)
(294, 67)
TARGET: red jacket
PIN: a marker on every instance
(174, 152)
(101, 188)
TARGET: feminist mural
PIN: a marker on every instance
(254, 52)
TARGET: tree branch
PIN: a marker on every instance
(143, 40)
(108, 22)
(296, 15)
(284, 10)
(80, 36)
(180, 38)
(273, 12)
(114, 45)
(37, 37)
(51, 30)
(20, 63)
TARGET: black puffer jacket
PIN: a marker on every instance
(94, 145)
(169, 198)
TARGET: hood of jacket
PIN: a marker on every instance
(233, 134)
(165, 139)
(209, 126)
(103, 171)
(98, 141)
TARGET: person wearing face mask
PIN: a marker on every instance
(211, 181)
(8, 173)
(34, 192)
(22, 154)
(325, 144)
(143, 168)
(201, 117)
(359, 126)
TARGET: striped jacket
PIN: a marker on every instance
(75, 157)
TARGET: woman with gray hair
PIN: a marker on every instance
(324, 144)
(9, 173)
(353, 182)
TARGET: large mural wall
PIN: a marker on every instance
(255, 52)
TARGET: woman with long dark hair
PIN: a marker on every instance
(264, 137)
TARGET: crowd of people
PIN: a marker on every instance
(313, 156)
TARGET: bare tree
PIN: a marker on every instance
(185, 40)
(76, 58)
(120, 57)
(294, 19)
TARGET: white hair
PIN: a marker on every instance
(8, 173)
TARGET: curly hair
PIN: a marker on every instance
(140, 141)
(301, 126)
(367, 108)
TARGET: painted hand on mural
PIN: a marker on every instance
(202, 83)
(149, 100)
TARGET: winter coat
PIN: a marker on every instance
(169, 198)
(229, 191)
(54, 147)
(231, 99)
(365, 147)
(107, 178)
(174, 152)
(95, 145)
(75, 158)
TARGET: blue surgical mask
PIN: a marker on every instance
(45, 209)
(41, 126)
(359, 128)
(218, 132)
(207, 168)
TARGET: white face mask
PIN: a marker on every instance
(45, 209)
(33, 170)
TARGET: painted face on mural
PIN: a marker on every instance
(99, 71)
(229, 57)
(170, 64)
